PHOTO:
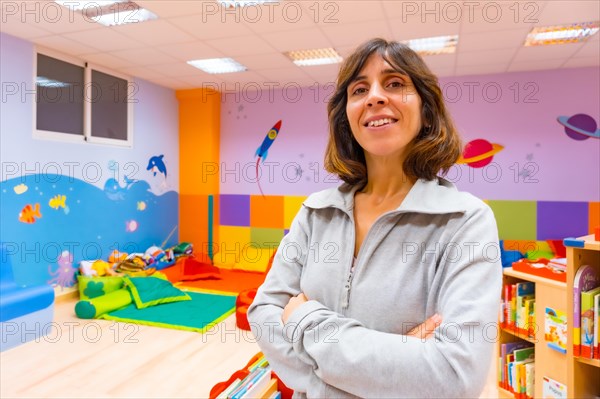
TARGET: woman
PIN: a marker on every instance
(393, 248)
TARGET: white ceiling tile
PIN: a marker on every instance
(285, 76)
(590, 48)
(107, 60)
(140, 72)
(320, 72)
(557, 12)
(13, 24)
(176, 70)
(499, 15)
(104, 39)
(242, 45)
(535, 65)
(492, 40)
(208, 27)
(492, 34)
(347, 34)
(154, 33)
(444, 61)
(536, 53)
(191, 51)
(210, 81)
(64, 45)
(413, 28)
(485, 57)
(275, 17)
(144, 56)
(246, 79)
(264, 61)
(171, 83)
(297, 40)
(582, 62)
(326, 12)
(399, 9)
(480, 69)
(174, 8)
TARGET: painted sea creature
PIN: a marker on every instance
(263, 150)
(64, 276)
(131, 226)
(20, 188)
(156, 164)
(30, 213)
(113, 190)
(141, 206)
(58, 201)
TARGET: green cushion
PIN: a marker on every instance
(93, 287)
(92, 308)
(150, 291)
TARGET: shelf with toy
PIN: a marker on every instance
(542, 268)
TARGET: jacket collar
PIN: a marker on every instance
(437, 196)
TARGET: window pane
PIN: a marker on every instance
(109, 106)
(59, 96)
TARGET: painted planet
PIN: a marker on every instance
(580, 126)
(479, 153)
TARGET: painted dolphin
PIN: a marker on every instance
(263, 150)
(156, 164)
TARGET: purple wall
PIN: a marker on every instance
(515, 110)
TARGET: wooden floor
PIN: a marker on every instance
(106, 359)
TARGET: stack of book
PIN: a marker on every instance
(259, 384)
(586, 313)
(518, 308)
(516, 369)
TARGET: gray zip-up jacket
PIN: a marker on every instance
(436, 253)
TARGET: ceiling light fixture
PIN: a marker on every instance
(123, 17)
(110, 12)
(79, 5)
(433, 45)
(218, 65)
(561, 34)
(321, 56)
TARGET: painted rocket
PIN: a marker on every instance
(263, 150)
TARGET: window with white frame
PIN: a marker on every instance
(76, 101)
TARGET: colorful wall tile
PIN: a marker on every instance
(516, 219)
(556, 220)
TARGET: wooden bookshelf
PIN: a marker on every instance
(580, 375)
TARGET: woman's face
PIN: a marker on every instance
(384, 109)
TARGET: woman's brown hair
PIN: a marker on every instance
(436, 147)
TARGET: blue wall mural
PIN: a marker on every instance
(45, 215)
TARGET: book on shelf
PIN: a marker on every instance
(525, 291)
(587, 322)
(596, 326)
(507, 357)
(586, 278)
(555, 329)
(553, 389)
(530, 379)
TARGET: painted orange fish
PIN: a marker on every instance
(29, 213)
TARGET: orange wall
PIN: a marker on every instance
(199, 137)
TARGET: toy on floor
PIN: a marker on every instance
(243, 302)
